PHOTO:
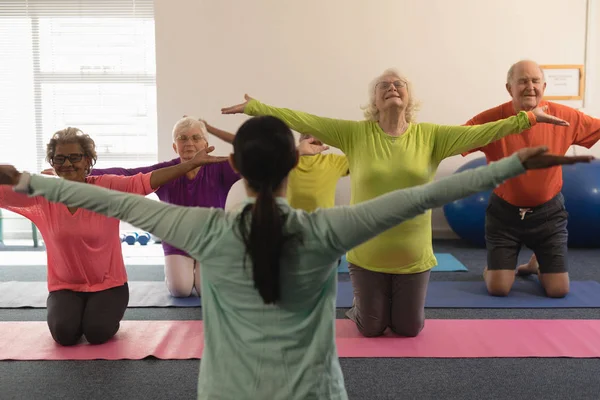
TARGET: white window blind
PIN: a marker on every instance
(81, 63)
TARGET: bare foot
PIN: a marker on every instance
(531, 268)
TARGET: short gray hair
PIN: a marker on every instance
(371, 112)
(185, 124)
(72, 135)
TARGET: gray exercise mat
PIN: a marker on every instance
(15, 294)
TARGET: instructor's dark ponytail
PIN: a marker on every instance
(264, 154)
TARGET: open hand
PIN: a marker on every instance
(48, 171)
(203, 158)
(238, 108)
(541, 116)
(9, 175)
(538, 158)
(307, 147)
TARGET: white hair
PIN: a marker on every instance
(371, 112)
(185, 124)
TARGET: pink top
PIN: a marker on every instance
(84, 249)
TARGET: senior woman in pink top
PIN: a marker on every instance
(87, 280)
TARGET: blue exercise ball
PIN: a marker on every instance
(581, 190)
(466, 216)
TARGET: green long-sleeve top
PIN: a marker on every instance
(380, 163)
(284, 351)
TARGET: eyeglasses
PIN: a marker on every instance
(185, 138)
(73, 158)
(386, 85)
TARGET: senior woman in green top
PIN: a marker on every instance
(389, 151)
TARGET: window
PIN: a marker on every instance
(81, 63)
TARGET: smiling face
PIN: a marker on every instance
(69, 162)
(526, 86)
(188, 142)
(391, 92)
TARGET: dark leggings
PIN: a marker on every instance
(95, 315)
(385, 300)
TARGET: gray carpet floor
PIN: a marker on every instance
(382, 378)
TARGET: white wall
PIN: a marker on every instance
(592, 101)
(591, 104)
(319, 56)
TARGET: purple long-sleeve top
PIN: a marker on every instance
(208, 189)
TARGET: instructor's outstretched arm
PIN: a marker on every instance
(353, 225)
(184, 227)
(188, 228)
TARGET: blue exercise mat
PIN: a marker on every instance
(446, 263)
(142, 294)
(526, 293)
(344, 295)
(14, 294)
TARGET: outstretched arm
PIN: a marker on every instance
(15, 202)
(305, 148)
(350, 226)
(183, 227)
(334, 132)
(161, 176)
(221, 134)
(587, 130)
(133, 171)
(453, 140)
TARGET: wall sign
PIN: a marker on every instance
(564, 82)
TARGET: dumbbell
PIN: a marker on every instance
(131, 238)
(144, 238)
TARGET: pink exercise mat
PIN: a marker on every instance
(168, 340)
(178, 340)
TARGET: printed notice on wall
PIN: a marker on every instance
(562, 82)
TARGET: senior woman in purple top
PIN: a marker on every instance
(206, 186)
